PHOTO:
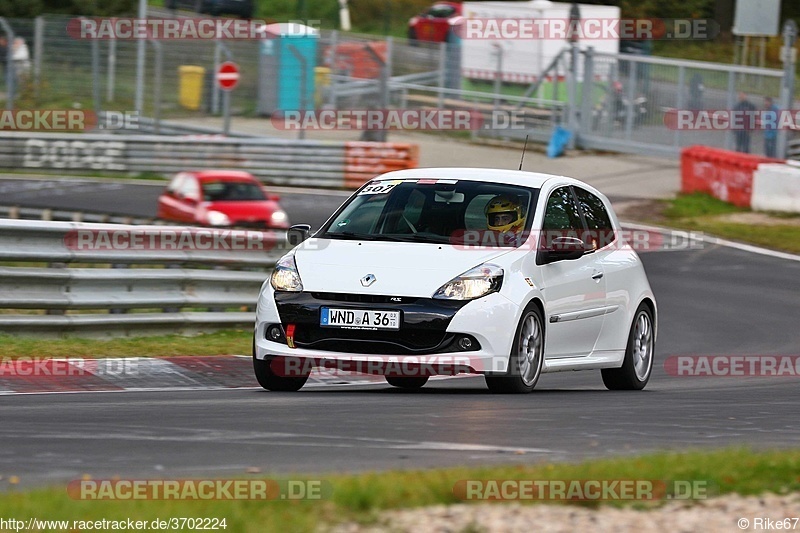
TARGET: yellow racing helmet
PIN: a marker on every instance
(504, 215)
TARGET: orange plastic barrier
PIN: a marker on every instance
(365, 160)
(721, 173)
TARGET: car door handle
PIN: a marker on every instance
(597, 275)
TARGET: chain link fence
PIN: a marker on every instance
(608, 101)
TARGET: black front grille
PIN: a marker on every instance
(251, 224)
(363, 298)
(423, 329)
(409, 341)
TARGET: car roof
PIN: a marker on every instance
(510, 177)
(223, 175)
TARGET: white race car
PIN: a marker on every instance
(430, 271)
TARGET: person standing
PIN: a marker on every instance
(3, 57)
(742, 135)
(22, 59)
(770, 125)
(696, 90)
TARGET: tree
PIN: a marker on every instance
(89, 8)
(20, 8)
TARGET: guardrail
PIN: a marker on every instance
(277, 161)
(49, 214)
(58, 278)
(793, 149)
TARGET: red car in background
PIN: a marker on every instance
(221, 198)
(434, 23)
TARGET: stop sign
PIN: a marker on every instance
(228, 76)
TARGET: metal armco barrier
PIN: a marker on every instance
(286, 162)
(721, 173)
(145, 278)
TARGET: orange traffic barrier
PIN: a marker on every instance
(365, 160)
(721, 173)
(357, 59)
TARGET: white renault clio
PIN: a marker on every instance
(503, 273)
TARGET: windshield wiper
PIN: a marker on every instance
(349, 235)
(416, 237)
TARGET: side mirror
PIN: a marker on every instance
(562, 249)
(297, 234)
(271, 196)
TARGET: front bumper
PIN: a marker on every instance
(428, 334)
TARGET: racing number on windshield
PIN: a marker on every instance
(379, 188)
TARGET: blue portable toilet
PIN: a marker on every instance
(287, 57)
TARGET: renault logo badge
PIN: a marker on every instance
(368, 280)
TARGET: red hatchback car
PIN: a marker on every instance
(434, 23)
(221, 198)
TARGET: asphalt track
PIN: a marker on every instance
(125, 198)
(717, 300)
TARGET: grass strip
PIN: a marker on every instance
(704, 213)
(219, 343)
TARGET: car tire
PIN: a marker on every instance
(273, 382)
(407, 383)
(639, 354)
(526, 360)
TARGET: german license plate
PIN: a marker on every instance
(359, 318)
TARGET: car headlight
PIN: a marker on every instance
(278, 217)
(215, 218)
(479, 281)
(285, 277)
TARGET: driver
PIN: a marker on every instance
(504, 215)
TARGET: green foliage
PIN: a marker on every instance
(20, 8)
(34, 8)
(698, 204)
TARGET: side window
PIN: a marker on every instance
(189, 188)
(441, 11)
(175, 185)
(597, 220)
(561, 213)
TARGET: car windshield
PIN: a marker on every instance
(231, 191)
(441, 11)
(443, 211)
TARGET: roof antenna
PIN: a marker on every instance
(521, 159)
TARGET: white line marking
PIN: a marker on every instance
(721, 242)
